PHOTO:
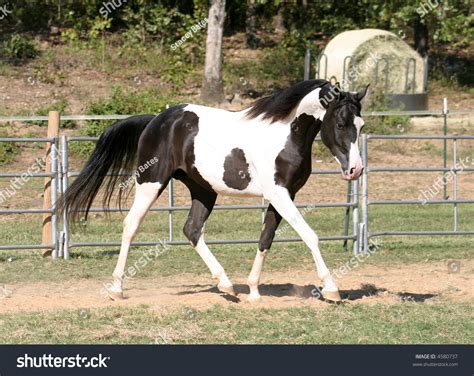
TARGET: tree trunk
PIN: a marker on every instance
(251, 38)
(279, 20)
(212, 87)
(420, 37)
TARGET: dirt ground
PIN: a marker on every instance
(366, 284)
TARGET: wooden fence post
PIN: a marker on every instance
(53, 132)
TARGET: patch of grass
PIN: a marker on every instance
(404, 323)
(237, 259)
(8, 150)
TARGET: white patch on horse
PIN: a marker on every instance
(359, 123)
(354, 154)
(222, 131)
(311, 105)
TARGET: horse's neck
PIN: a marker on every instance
(304, 129)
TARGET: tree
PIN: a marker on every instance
(251, 39)
(420, 36)
(212, 88)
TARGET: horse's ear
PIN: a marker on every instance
(338, 91)
(361, 94)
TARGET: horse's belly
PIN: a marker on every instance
(228, 172)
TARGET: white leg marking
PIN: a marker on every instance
(280, 199)
(145, 194)
(217, 271)
(254, 276)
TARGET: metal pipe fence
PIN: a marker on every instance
(454, 169)
(53, 246)
(357, 203)
(172, 208)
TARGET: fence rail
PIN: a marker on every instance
(357, 199)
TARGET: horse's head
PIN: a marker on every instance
(340, 130)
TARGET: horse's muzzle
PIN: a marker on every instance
(353, 173)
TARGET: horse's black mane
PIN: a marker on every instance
(279, 105)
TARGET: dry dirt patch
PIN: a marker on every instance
(421, 282)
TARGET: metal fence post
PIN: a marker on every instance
(355, 216)
(455, 189)
(365, 192)
(348, 214)
(65, 183)
(445, 132)
(171, 205)
(54, 197)
(307, 64)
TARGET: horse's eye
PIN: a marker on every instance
(340, 126)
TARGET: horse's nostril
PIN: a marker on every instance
(352, 170)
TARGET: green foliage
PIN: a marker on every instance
(18, 48)
(378, 101)
(165, 24)
(62, 105)
(280, 67)
(119, 103)
(8, 150)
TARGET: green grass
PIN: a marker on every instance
(407, 323)
(98, 262)
(402, 322)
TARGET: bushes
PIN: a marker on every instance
(383, 124)
(18, 48)
(119, 103)
(8, 150)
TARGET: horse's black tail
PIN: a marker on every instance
(115, 153)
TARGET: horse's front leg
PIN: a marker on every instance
(281, 200)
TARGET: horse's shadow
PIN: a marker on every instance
(280, 290)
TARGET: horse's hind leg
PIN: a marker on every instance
(202, 203)
(145, 195)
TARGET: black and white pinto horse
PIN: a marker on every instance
(263, 150)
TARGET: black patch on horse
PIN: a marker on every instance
(236, 170)
(293, 163)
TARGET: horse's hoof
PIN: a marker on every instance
(226, 288)
(115, 295)
(332, 296)
(252, 298)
